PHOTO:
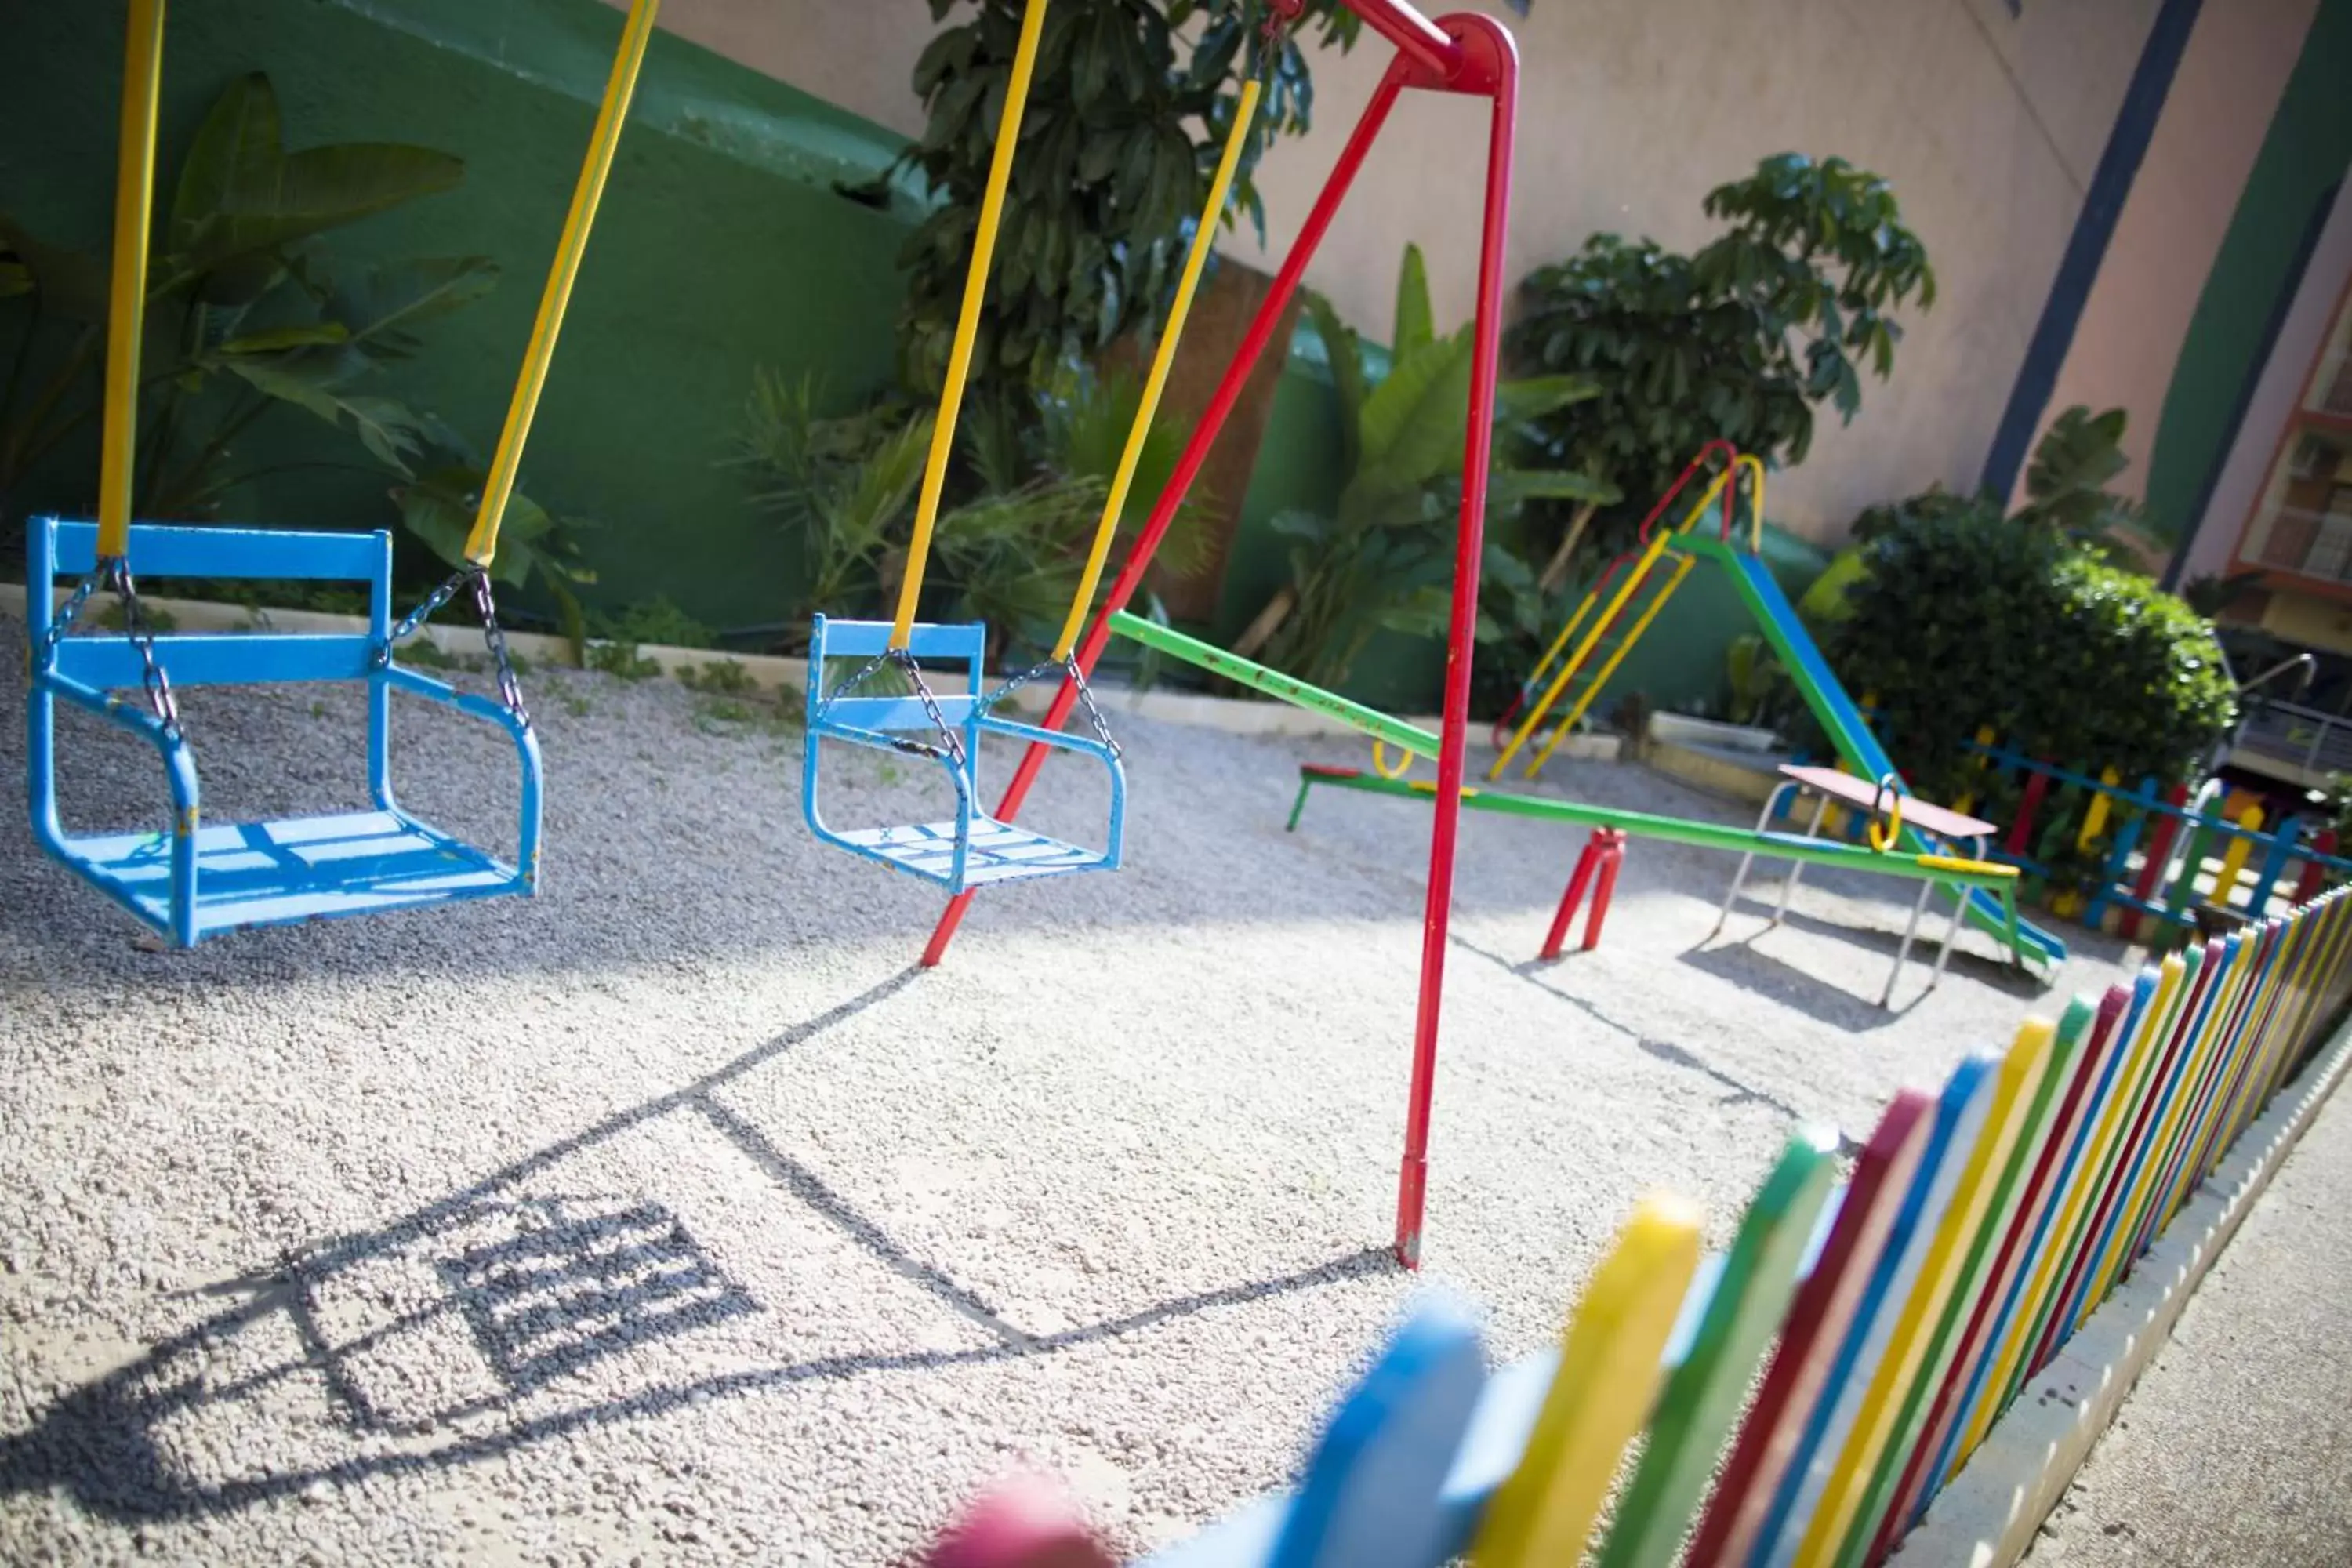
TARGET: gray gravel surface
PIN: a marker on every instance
(673, 1216)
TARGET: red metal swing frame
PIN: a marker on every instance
(1468, 54)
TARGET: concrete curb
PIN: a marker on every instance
(771, 672)
(1988, 1517)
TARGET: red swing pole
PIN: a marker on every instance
(1496, 64)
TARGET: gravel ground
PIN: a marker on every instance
(672, 1215)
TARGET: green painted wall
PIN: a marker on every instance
(2308, 149)
(721, 245)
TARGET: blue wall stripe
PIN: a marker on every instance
(2111, 183)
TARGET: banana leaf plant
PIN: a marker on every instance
(248, 315)
(1383, 559)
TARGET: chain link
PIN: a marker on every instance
(71, 610)
(950, 745)
(160, 700)
(422, 612)
(494, 636)
(113, 573)
(510, 687)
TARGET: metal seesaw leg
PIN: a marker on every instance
(1739, 878)
(1797, 868)
(1903, 953)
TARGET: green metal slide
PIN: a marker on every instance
(1848, 730)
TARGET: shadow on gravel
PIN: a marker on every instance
(1740, 960)
(541, 1287)
(1533, 970)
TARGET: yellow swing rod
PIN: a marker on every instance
(482, 543)
(126, 310)
(1163, 359)
(975, 290)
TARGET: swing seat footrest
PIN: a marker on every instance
(999, 852)
(294, 869)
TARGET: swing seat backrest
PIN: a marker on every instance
(69, 550)
(198, 878)
(937, 647)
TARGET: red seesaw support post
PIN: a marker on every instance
(1604, 852)
(1467, 54)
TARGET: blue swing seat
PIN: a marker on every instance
(194, 880)
(974, 850)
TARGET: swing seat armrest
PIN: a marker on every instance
(402, 678)
(1039, 735)
(130, 716)
(525, 744)
(179, 763)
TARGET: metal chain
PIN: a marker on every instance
(142, 637)
(951, 743)
(71, 610)
(1067, 666)
(493, 635)
(424, 612)
(905, 659)
(1093, 714)
(509, 689)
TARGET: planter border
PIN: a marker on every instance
(775, 673)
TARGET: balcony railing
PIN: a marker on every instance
(2309, 543)
(2305, 738)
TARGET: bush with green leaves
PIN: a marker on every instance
(1026, 494)
(1739, 342)
(1968, 620)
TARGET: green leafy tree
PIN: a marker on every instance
(2066, 482)
(1111, 173)
(1383, 558)
(1780, 313)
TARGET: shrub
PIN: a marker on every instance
(1969, 619)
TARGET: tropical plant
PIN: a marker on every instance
(1383, 558)
(1129, 106)
(247, 315)
(1740, 342)
(1026, 495)
(2066, 482)
(1965, 620)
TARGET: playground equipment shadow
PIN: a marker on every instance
(667, 1214)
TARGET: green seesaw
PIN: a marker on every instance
(2000, 880)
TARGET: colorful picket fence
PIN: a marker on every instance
(1978, 1228)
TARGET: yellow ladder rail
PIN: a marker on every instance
(1683, 564)
(1584, 651)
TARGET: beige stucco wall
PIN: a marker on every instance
(1989, 126)
(2236, 66)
